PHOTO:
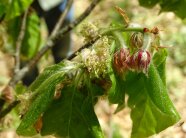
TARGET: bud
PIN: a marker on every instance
(140, 61)
(121, 59)
(136, 40)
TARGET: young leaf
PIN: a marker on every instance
(152, 109)
(71, 116)
(44, 89)
(159, 60)
(47, 73)
(117, 91)
(158, 93)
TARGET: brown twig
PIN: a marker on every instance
(88, 44)
(61, 19)
(51, 41)
(19, 42)
(61, 33)
(6, 94)
(9, 108)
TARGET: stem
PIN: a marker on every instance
(62, 18)
(105, 31)
(19, 42)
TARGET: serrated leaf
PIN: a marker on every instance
(72, 116)
(152, 109)
(44, 92)
(16, 8)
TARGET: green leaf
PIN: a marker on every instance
(43, 90)
(72, 116)
(2, 8)
(159, 60)
(148, 3)
(152, 109)
(159, 57)
(46, 74)
(20, 88)
(158, 93)
(16, 8)
(32, 38)
(117, 90)
(176, 6)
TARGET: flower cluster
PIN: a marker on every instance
(89, 31)
(137, 57)
(96, 59)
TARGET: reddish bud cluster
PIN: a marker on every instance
(139, 61)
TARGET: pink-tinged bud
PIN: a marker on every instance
(121, 59)
(140, 61)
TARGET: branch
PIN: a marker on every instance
(61, 19)
(6, 94)
(50, 43)
(88, 44)
(56, 35)
(19, 42)
(9, 108)
(102, 33)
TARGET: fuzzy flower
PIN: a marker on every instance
(97, 58)
(89, 31)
